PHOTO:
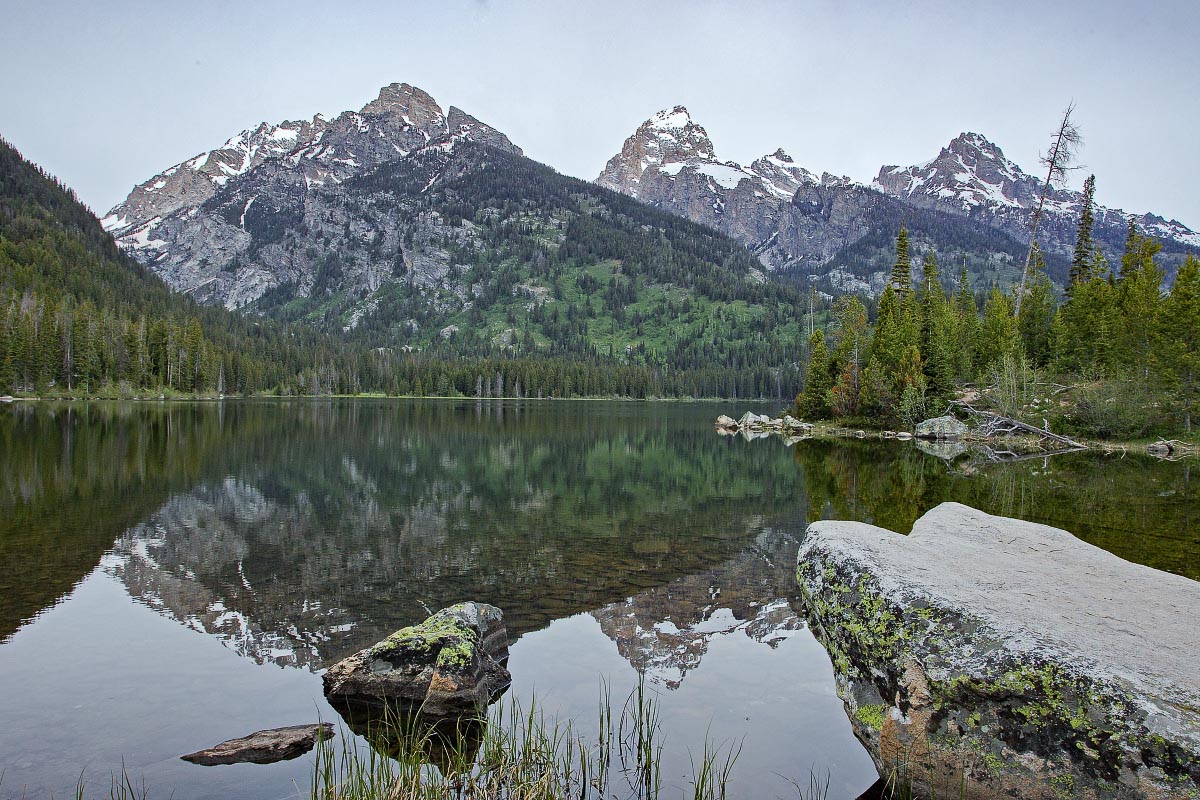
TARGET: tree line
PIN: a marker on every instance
(1123, 354)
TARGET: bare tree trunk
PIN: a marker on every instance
(1062, 153)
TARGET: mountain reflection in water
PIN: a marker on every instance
(611, 534)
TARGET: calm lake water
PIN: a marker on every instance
(173, 575)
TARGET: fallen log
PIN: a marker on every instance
(992, 424)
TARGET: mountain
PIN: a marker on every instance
(972, 178)
(408, 228)
(166, 221)
(970, 205)
(76, 313)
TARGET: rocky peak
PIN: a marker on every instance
(401, 119)
(460, 123)
(781, 174)
(969, 171)
(669, 137)
(402, 104)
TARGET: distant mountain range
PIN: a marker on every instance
(407, 227)
(287, 219)
(970, 203)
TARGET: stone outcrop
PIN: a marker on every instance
(451, 664)
(983, 657)
(264, 747)
(758, 426)
(947, 428)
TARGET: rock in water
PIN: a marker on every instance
(451, 664)
(940, 428)
(263, 747)
(1009, 657)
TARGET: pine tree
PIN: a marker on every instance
(1082, 261)
(901, 279)
(998, 334)
(1086, 329)
(1139, 298)
(936, 330)
(8, 373)
(1037, 313)
(896, 330)
(966, 329)
(813, 402)
(1178, 357)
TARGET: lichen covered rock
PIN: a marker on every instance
(946, 427)
(450, 664)
(982, 657)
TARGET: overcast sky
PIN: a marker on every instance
(104, 95)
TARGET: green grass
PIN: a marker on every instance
(517, 753)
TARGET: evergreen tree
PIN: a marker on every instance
(966, 329)
(1178, 357)
(1082, 261)
(813, 402)
(998, 335)
(1086, 328)
(901, 279)
(1037, 313)
(936, 330)
(1139, 298)
(896, 331)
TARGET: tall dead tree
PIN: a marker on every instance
(1057, 162)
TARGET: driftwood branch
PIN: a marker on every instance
(990, 424)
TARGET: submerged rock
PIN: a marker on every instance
(982, 656)
(946, 427)
(451, 664)
(263, 747)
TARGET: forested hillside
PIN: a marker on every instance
(76, 314)
(537, 264)
(80, 318)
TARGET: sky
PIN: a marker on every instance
(105, 95)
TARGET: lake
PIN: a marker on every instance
(176, 574)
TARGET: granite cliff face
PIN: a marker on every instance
(221, 225)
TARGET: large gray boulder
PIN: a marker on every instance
(983, 657)
(452, 664)
(946, 427)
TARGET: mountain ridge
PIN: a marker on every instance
(970, 179)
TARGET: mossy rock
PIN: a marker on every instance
(452, 664)
(982, 656)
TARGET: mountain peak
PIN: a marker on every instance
(400, 120)
(671, 119)
(971, 170)
(404, 104)
(669, 137)
(968, 142)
